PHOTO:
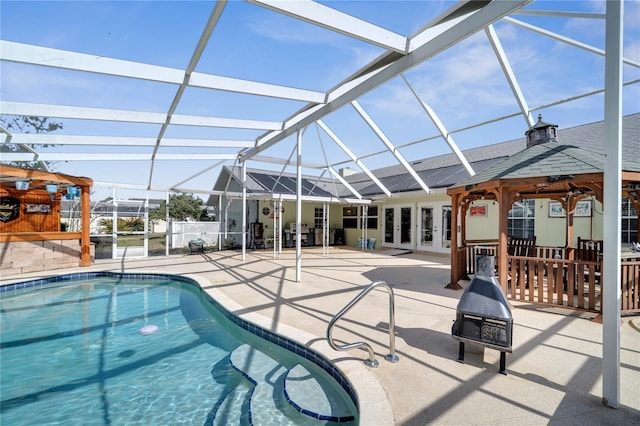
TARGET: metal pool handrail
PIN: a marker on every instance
(371, 362)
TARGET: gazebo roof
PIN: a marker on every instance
(552, 161)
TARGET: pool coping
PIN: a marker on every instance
(374, 406)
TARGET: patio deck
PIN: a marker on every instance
(554, 371)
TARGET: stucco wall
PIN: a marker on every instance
(550, 231)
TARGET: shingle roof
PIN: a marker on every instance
(265, 181)
(579, 150)
(547, 160)
(589, 136)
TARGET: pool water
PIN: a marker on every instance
(73, 353)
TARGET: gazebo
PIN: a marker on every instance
(549, 170)
(30, 230)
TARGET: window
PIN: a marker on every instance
(521, 219)
(349, 217)
(317, 217)
(629, 221)
(372, 217)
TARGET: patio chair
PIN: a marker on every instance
(520, 246)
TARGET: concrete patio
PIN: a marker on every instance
(554, 371)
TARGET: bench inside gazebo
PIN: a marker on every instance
(568, 275)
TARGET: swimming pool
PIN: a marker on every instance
(72, 351)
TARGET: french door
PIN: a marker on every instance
(398, 227)
(434, 227)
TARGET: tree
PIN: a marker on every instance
(181, 207)
(28, 124)
(132, 224)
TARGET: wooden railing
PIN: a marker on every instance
(630, 277)
(573, 284)
(473, 248)
(550, 278)
(570, 283)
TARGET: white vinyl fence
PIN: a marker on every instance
(183, 232)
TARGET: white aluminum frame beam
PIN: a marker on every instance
(275, 160)
(564, 39)
(213, 166)
(434, 40)
(54, 139)
(390, 146)
(313, 198)
(509, 74)
(103, 114)
(560, 14)
(351, 189)
(111, 156)
(56, 58)
(102, 184)
(353, 157)
(446, 135)
(326, 17)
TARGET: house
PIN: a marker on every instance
(411, 218)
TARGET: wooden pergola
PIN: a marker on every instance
(563, 173)
(38, 181)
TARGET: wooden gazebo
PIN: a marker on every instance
(30, 230)
(549, 170)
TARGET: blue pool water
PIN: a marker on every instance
(71, 352)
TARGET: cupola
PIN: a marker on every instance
(541, 132)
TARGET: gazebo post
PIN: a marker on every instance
(505, 199)
(455, 260)
(85, 244)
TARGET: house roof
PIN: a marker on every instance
(549, 159)
(585, 142)
(579, 151)
(268, 182)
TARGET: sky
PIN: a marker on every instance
(464, 85)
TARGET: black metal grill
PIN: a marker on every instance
(483, 315)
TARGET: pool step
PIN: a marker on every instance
(264, 372)
(300, 388)
(230, 411)
(303, 391)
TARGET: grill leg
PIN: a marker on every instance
(503, 363)
(461, 352)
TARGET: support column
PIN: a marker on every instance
(220, 222)
(244, 211)
(611, 294)
(167, 231)
(299, 206)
